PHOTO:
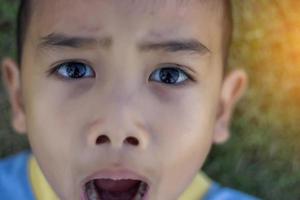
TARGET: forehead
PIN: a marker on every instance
(144, 5)
(158, 17)
(83, 10)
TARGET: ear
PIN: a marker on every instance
(233, 88)
(11, 78)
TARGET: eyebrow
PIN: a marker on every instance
(180, 45)
(57, 40)
(62, 40)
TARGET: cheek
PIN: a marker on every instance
(189, 132)
(51, 119)
(183, 155)
(185, 129)
(186, 118)
(52, 131)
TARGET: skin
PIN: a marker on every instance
(175, 125)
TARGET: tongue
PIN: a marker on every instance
(117, 189)
(116, 185)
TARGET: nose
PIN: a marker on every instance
(122, 122)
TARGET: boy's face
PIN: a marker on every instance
(130, 112)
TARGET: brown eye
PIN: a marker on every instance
(169, 75)
(74, 70)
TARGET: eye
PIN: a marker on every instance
(74, 70)
(171, 74)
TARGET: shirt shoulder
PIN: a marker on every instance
(217, 192)
(14, 181)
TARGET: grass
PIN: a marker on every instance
(10, 142)
(262, 156)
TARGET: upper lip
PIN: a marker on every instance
(116, 174)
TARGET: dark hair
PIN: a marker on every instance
(228, 29)
(23, 19)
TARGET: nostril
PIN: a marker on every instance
(102, 139)
(132, 140)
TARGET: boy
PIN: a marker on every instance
(120, 99)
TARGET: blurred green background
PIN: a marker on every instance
(262, 157)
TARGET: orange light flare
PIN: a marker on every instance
(267, 42)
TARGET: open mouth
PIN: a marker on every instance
(109, 189)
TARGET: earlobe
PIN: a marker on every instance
(11, 78)
(232, 90)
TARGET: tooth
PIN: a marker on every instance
(138, 196)
(141, 191)
(92, 192)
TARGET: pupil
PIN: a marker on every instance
(169, 75)
(76, 70)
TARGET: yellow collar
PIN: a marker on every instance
(43, 190)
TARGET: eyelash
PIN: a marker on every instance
(59, 71)
(176, 67)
